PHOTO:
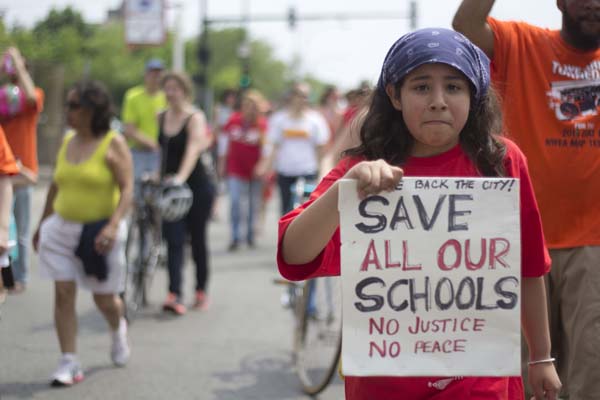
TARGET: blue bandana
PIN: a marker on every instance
(436, 45)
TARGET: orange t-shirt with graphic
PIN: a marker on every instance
(8, 164)
(21, 132)
(551, 103)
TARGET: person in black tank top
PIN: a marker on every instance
(183, 137)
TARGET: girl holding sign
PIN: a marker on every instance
(433, 114)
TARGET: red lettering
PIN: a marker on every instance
(388, 256)
(382, 351)
(494, 249)
(434, 346)
(441, 252)
(496, 255)
(421, 345)
(407, 266)
(470, 264)
(394, 349)
(392, 326)
(459, 345)
(373, 324)
(370, 258)
(478, 324)
(462, 324)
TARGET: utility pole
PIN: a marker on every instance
(178, 42)
(203, 55)
(244, 50)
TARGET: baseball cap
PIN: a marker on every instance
(154, 63)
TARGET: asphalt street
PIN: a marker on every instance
(238, 349)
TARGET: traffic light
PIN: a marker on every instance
(245, 79)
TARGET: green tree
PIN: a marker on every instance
(63, 37)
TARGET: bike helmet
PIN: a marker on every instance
(174, 201)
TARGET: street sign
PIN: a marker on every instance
(145, 22)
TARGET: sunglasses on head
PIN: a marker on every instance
(72, 105)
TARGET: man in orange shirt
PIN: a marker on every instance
(8, 168)
(21, 133)
(550, 83)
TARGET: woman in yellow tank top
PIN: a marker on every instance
(84, 214)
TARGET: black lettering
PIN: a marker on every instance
(378, 301)
(479, 305)
(414, 296)
(381, 219)
(453, 212)
(510, 296)
(466, 282)
(404, 304)
(400, 215)
(426, 222)
(438, 294)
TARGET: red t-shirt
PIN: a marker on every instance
(245, 144)
(349, 115)
(535, 262)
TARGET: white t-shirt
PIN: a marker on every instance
(298, 140)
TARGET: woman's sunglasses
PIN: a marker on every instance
(72, 105)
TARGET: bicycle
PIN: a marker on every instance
(319, 333)
(145, 250)
(317, 308)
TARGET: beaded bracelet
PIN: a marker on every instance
(545, 360)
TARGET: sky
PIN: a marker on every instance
(340, 52)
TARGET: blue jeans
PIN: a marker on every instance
(286, 183)
(22, 212)
(195, 225)
(245, 197)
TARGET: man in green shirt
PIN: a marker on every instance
(140, 108)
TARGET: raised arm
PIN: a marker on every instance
(471, 20)
(25, 81)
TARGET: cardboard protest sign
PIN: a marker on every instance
(431, 276)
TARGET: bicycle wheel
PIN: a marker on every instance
(320, 333)
(134, 284)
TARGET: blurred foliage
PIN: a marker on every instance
(100, 52)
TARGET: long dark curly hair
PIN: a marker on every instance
(94, 96)
(384, 134)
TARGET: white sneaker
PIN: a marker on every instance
(68, 372)
(120, 351)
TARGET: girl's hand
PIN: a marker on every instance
(106, 239)
(374, 177)
(544, 381)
